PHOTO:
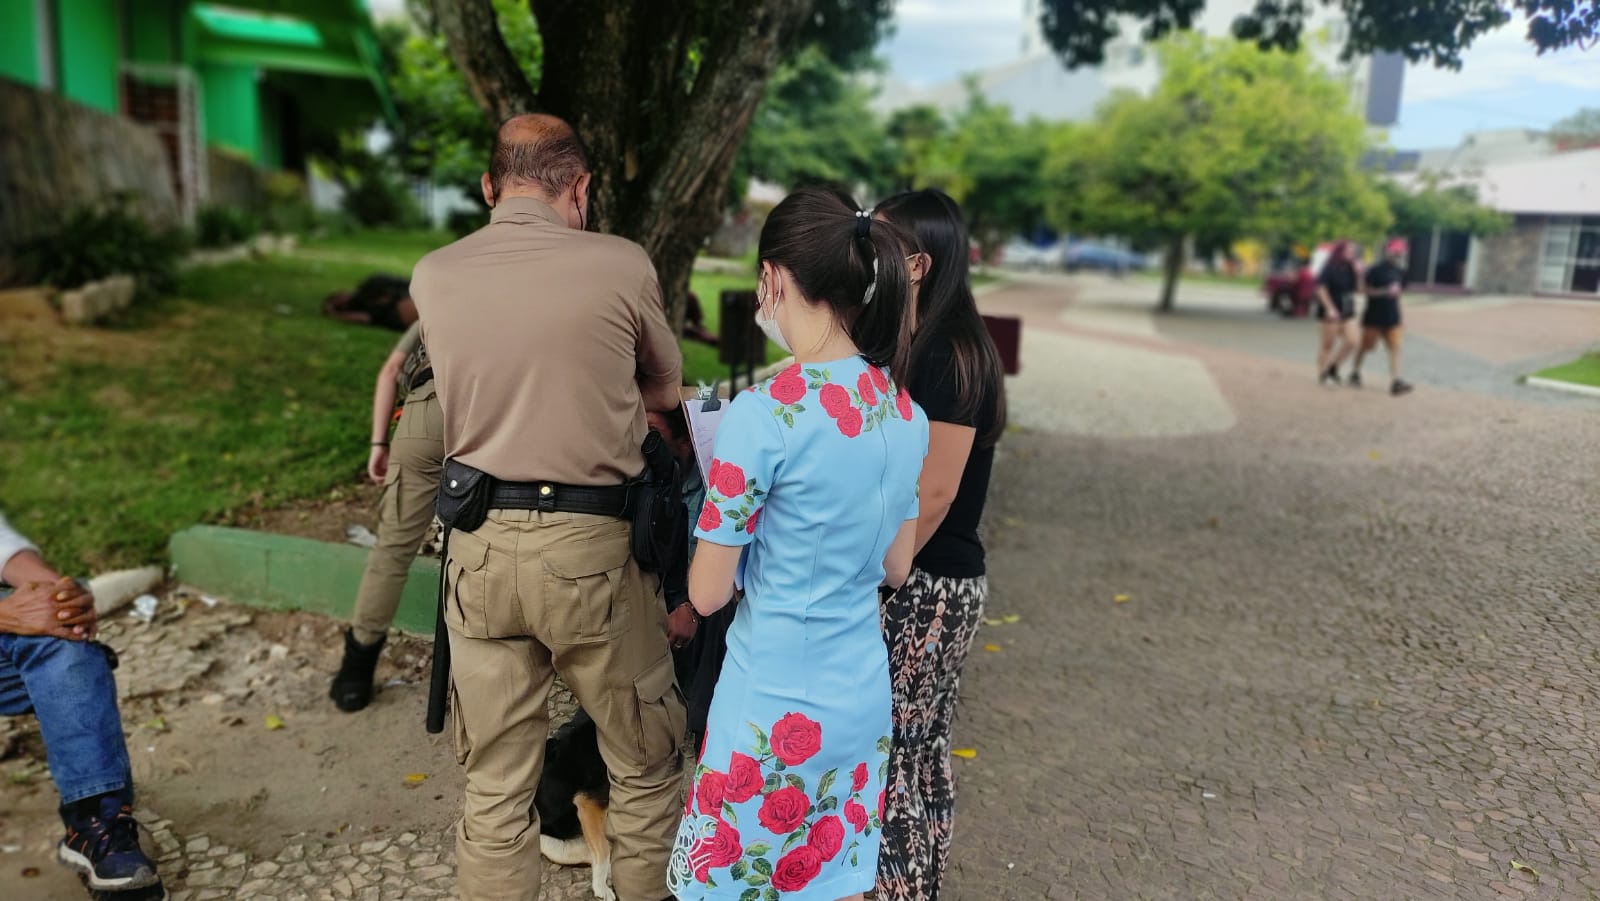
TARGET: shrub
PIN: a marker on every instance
(288, 208)
(464, 222)
(224, 226)
(378, 198)
(94, 242)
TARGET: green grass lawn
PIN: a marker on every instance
(234, 394)
(1583, 371)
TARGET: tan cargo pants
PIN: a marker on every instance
(416, 456)
(530, 594)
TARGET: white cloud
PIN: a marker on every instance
(958, 12)
(1502, 61)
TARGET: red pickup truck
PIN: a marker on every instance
(1290, 290)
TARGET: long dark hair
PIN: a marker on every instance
(820, 236)
(946, 307)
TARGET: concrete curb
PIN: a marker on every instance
(282, 572)
(1558, 385)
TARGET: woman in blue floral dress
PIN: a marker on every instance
(811, 506)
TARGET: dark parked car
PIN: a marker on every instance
(1083, 255)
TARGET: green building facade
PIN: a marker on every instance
(264, 73)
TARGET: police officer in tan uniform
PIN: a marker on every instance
(407, 465)
(549, 344)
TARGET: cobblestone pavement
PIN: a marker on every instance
(1345, 649)
(1275, 642)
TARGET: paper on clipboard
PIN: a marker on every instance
(703, 424)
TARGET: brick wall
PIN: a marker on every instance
(1508, 263)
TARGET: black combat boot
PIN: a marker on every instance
(352, 685)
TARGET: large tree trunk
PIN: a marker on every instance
(1171, 268)
(661, 93)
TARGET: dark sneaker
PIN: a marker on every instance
(1354, 381)
(352, 685)
(1329, 376)
(104, 849)
(1399, 387)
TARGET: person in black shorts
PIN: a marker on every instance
(1381, 319)
(1336, 308)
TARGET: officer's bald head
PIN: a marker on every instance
(536, 154)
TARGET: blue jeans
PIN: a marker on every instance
(68, 687)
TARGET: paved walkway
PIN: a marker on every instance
(1343, 649)
(1273, 641)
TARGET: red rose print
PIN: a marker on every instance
(710, 517)
(858, 779)
(788, 387)
(730, 480)
(725, 849)
(744, 779)
(850, 423)
(711, 474)
(902, 402)
(855, 813)
(796, 869)
(826, 836)
(783, 811)
(869, 395)
(879, 380)
(795, 738)
(710, 792)
(750, 522)
(835, 399)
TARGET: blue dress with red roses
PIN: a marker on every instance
(815, 471)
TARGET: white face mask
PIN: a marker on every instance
(769, 324)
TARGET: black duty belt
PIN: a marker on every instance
(421, 378)
(551, 497)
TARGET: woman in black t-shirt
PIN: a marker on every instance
(1336, 307)
(1381, 318)
(930, 623)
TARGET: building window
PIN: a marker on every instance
(1571, 259)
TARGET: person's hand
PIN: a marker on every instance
(60, 609)
(681, 625)
(378, 463)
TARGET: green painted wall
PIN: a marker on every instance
(153, 31)
(233, 108)
(19, 50)
(89, 44)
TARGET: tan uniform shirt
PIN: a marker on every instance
(547, 343)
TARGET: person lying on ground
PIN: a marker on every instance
(381, 300)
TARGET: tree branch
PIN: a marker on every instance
(493, 76)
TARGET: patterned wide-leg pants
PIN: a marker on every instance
(929, 626)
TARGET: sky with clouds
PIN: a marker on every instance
(1503, 83)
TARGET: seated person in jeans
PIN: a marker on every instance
(51, 667)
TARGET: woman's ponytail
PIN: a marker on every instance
(883, 328)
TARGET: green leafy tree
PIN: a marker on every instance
(922, 152)
(661, 92)
(997, 171)
(1422, 30)
(814, 126)
(1234, 142)
(1430, 204)
(1579, 130)
(440, 133)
